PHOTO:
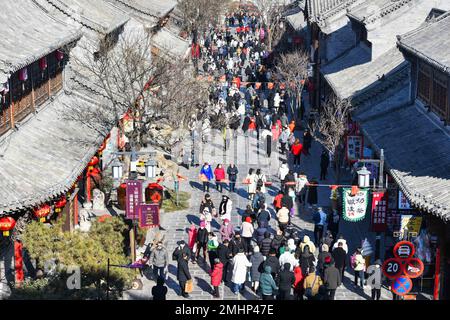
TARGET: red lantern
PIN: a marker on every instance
(42, 212)
(6, 225)
(23, 74)
(94, 161)
(43, 63)
(60, 204)
(59, 55)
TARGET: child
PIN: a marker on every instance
(216, 277)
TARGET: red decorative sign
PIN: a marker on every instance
(149, 215)
(404, 250)
(379, 211)
(134, 199)
(392, 268)
(354, 148)
(413, 268)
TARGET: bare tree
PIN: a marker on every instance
(292, 68)
(198, 14)
(330, 127)
(158, 96)
(271, 13)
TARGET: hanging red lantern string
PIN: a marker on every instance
(6, 225)
(42, 212)
(59, 55)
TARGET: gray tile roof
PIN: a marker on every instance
(28, 34)
(417, 152)
(374, 11)
(148, 8)
(297, 20)
(430, 42)
(355, 72)
(330, 15)
(45, 156)
(99, 16)
(170, 43)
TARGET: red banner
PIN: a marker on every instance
(134, 199)
(379, 211)
(18, 259)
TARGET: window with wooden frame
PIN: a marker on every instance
(439, 102)
(424, 83)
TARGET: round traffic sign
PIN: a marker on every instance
(402, 285)
(392, 268)
(404, 250)
(413, 268)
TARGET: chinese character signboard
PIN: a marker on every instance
(355, 147)
(403, 203)
(149, 215)
(134, 199)
(411, 223)
(379, 211)
(355, 207)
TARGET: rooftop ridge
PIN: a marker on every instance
(388, 9)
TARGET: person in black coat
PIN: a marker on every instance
(289, 178)
(307, 142)
(273, 262)
(265, 244)
(324, 164)
(236, 244)
(312, 192)
(263, 217)
(260, 233)
(246, 124)
(287, 201)
(224, 255)
(277, 241)
(332, 279)
(159, 291)
(285, 281)
(180, 250)
(340, 258)
(232, 172)
(183, 274)
(202, 240)
(307, 260)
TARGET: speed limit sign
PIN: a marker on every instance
(392, 268)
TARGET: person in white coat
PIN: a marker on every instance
(225, 208)
(251, 180)
(282, 173)
(240, 265)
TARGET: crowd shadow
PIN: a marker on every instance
(192, 219)
(204, 285)
(196, 185)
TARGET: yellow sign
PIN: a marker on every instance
(412, 223)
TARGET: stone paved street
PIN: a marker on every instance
(177, 223)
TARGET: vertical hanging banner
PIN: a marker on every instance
(134, 199)
(379, 211)
(355, 207)
(149, 215)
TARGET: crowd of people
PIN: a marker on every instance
(285, 265)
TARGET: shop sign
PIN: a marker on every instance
(134, 199)
(148, 215)
(355, 207)
(411, 223)
(379, 211)
(354, 147)
(403, 203)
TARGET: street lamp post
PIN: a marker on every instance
(364, 182)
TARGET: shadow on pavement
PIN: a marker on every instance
(204, 285)
(193, 219)
(196, 185)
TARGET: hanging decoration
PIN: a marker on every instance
(92, 173)
(4, 89)
(355, 207)
(6, 225)
(60, 204)
(42, 212)
(23, 77)
(59, 55)
(43, 63)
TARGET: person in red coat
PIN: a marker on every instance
(219, 173)
(216, 277)
(298, 284)
(192, 235)
(296, 150)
